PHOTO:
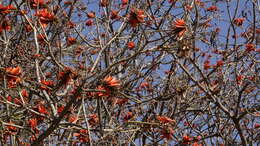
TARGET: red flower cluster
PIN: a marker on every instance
(250, 47)
(111, 82)
(108, 84)
(114, 14)
(33, 122)
(71, 41)
(93, 119)
(66, 76)
(73, 119)
(136, 17)
(82, 135)
(186, 140)
(240, 79)
(46, 84)
(11, 130)
(5, 25)
(91, 14)
(239, 21)
(6, 9)
(42, 109)
(207, 65)
(89, 22)
(220, 63)
(212, 8)
(13, 76)
(124, 2)
(179, 27)
(131, 45)
(164, 119)
(45, 17)
(60, 109)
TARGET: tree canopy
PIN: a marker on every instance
(129, 72)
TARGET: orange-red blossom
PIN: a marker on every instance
(45, 16)
(13, 76)
(109, 83)
(136, 16)
(179, 27)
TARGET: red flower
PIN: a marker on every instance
(82, 136)
(131, 45)
(220, 63)
(46, 84)
(13, 81)
(93, 119)
(6, 9)
(239, 21)
(103, 94)
(91, 14)
(136, 16)
(89, 22)
(111, 81)
(73, 119)
(164, 119)
(212, 8)
(250, 47)
(41, 109)
(114, 14)
(206, 65)
(24, 93)
(186, 139)
(240, 77)
(124, 2)
(179, 27)
(9, 98)
(144, 85)
(6, 25)
(33, 123)
(13, 76)
(25, 96)
(257, 125)
(45, 16)
(60, 109)
(66, 76)
(16, 71)
(11, 128)
(167, 133)
(71, 41)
